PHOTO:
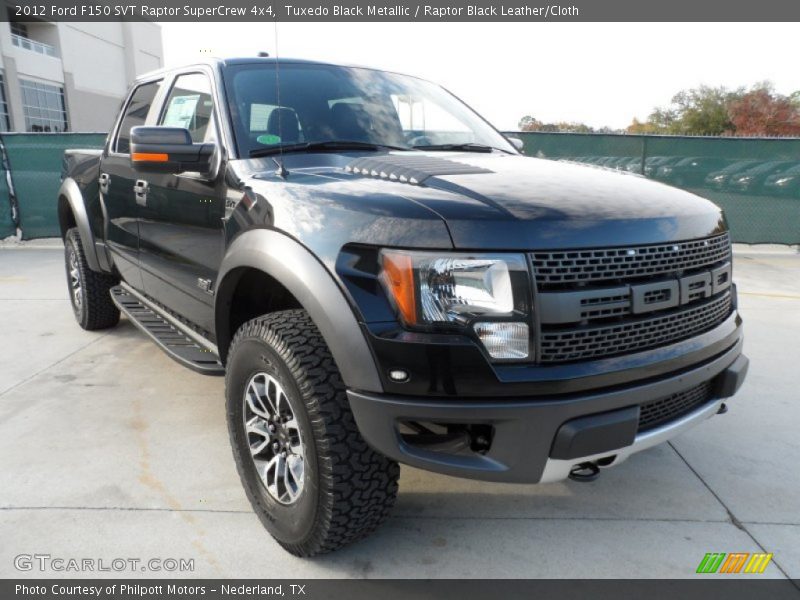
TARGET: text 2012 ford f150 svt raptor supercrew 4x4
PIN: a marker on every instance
(383, 278)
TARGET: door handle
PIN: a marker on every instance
(140, 190)
(105, 181)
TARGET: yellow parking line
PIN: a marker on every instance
(13, 279)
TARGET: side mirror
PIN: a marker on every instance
(517, 143)
(168, 150)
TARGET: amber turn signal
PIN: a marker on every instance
(398, 274)
(149, 157)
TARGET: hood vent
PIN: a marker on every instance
(410, 169)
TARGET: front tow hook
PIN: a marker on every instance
(584, 472)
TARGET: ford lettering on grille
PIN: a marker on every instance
(575, 306)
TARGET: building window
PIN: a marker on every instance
(44, 107)
(20, 29)
(5, 122)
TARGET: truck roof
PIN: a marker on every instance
(224, 62)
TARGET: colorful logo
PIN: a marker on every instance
(734, 562)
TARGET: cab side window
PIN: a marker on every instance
(190, 105)
(135, 114)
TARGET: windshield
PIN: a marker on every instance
(311, 103)
(768, 167)
(738, 166)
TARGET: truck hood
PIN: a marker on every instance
(499, 201)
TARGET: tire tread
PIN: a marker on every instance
(358, 486)
(99, 310)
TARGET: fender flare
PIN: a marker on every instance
(74, 199)
(304, 276)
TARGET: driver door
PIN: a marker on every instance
(181, 236)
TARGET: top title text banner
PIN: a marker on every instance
(400, 11)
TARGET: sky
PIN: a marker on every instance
(595, 73)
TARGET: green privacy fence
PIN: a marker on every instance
(755, 180)
(7, 208)
(34, 160)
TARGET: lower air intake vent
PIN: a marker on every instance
(673, 407)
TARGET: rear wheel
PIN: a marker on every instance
(309, 475)
(88, 290)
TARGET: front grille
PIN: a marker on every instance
(658, 412)
(604, 302)
(628, 262)
(630, 335)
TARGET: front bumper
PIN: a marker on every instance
(523, 446)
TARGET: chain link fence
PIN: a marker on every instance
(8, 205)
(30, 178)
(755, 180)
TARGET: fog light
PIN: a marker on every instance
(398, 375)
(504, 340)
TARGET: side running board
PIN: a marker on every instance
(174, 338)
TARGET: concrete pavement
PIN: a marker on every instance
(110, 449)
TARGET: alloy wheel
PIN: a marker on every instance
(273, 435)
(75, 283)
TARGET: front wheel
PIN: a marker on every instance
(311, 478)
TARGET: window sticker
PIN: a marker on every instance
(181, 111)
(259, 116)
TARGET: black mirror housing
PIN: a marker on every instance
(168, 150)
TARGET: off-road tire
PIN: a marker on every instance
(96, 310)
(349, 488)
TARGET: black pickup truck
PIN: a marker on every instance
(383, 278)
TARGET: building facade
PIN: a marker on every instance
(57, 77)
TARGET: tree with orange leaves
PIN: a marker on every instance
(763, 112)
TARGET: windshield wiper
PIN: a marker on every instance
(467, 147)
(317, 146)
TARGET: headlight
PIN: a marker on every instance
(484, 293)
(453, 287)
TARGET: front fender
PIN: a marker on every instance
(70, 200)
(299, 271)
